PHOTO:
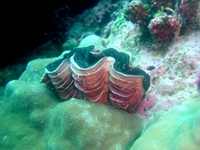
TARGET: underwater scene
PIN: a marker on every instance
(127, 78)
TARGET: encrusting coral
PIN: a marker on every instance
(188, 11)
(165, 18)
(139, 13)
(164, 27)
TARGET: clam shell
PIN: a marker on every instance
(105, 78)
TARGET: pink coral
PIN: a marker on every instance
(188, 12)
(188, 9)
(164, 27)
(164, 20)
(137, 12)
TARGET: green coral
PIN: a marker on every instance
(178, 129)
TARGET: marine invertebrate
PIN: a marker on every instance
(188, 12)
(163, 19)
(99, 76)
(188, 9)
(164, 27)
(139, 13)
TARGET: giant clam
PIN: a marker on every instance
(99, 76)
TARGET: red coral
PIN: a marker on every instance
(163, 27)
(138, 13)
(188, 13)
(188, 9)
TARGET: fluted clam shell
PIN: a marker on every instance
(104, 77)
(93, 81)
(61, 79)
(125, 90)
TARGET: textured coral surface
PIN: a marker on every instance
(178, 129)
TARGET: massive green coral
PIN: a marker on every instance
(178, 129)
(33, 117)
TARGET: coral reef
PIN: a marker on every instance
(177, 129)
(173, 72)
(164, 27)
(188, 10)
(91, 21)
(139, 13)
(41, 121)
(165, 19)
(96, 40)
(34, 117)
